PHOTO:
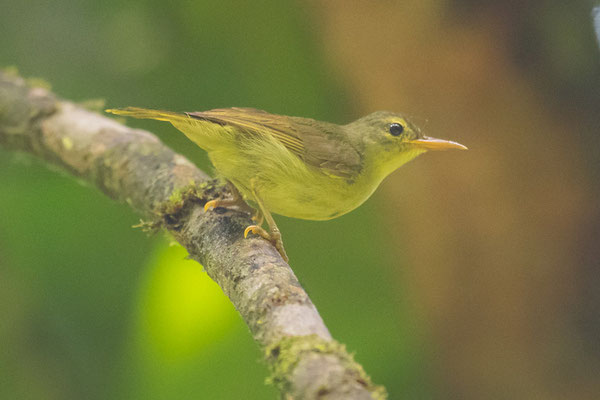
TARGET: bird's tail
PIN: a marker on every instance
(204, 133)
(145, 113)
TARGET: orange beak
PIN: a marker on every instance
(430, 143)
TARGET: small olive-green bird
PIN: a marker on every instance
(298, 167)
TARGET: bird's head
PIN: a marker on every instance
(390, 140)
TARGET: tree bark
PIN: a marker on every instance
(133, 166)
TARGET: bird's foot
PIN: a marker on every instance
(274, 237)
(212, 204)
(235, 202)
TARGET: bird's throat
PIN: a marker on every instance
(389, 162)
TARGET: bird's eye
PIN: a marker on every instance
(396, 129)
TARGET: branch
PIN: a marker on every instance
(133, 166)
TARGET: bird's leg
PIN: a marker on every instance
(274, 236)
(236, 200)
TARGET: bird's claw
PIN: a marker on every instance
(236, 202)
(257, 230)
(273, 237)
(211, 204)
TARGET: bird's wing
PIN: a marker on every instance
(316, 145)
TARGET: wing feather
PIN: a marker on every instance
(317, 145)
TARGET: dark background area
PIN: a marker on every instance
(468, 274)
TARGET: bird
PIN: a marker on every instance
(297, 167)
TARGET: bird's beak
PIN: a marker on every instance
(430, 143)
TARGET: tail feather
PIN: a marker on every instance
(206, 134)
(145, 113)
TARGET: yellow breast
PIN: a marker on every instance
(286, 185)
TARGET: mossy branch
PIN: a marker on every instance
(133, 166)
